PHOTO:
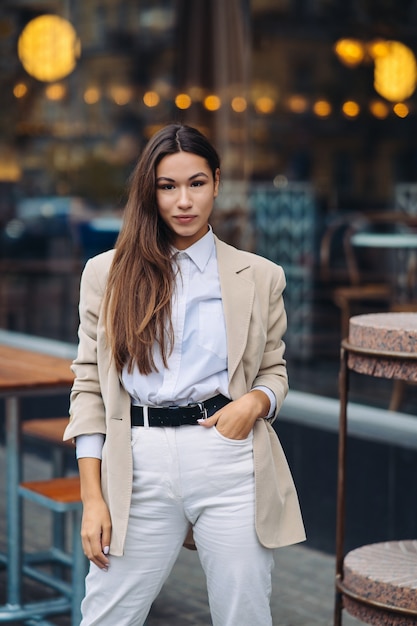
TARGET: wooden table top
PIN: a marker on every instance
(23, 370)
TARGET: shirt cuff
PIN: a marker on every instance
(272, 400)
(89, 446)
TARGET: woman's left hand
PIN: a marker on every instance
(236, 419)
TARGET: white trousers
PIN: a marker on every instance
(181, 475)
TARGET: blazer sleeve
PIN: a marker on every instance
(87, 413)
(273, 371)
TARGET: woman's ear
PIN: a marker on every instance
(216, 182)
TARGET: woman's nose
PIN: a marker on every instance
(184, 200)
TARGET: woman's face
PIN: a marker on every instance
(185, 191)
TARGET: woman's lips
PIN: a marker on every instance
(185, 219)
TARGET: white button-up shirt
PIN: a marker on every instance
(197, 365)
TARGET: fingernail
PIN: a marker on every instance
(106, 549)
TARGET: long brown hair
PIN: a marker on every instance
(137, 304)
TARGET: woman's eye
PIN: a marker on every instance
(166, 187)
(197, 183)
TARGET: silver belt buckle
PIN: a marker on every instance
(203, 410)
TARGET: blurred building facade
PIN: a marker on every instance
(262, 77)
(290, 91)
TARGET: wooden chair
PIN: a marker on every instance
(349, 289)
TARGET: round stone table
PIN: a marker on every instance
(386, 573)
(384, 345)
(370, 580)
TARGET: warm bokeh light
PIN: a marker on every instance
(351, 108)
(151, 129)
(239, 104)
(322, 108)
(151, 99)
(297, 104)
(379, 109)
(162, 87)
(400, 109)
(55, 92)
(92, 95)
(48, 48)
(212, 102)
(350, 51)
(395, 72)
(121, 94)
(264, 104)
(378, 48)
(20, 90)
(196, 93)
(10, 170)
(183, 101)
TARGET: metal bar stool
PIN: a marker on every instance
(376, 583)
(48, 432)
(59, 495)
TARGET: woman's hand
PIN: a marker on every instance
(237, 419)
(96, 532)
(96, 521)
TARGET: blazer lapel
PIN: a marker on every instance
(238, 294)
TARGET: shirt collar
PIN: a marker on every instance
(201, 251)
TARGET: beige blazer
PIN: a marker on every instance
(255, 323)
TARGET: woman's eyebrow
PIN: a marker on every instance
(197, 175)
(172, 180)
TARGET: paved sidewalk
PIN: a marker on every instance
(302, 581)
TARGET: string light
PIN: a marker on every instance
(401, 110)
(120, 94)
(55, 92)
(183, 101)
(322, 108)
(378, 48)
(350, 51)
(351, 108)
(151, 99)
(20, 90)
(264, 104)
(379, 109)
(297, 104)
(239, 104)
(212, 102)
(92, 95)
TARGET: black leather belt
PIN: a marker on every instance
(178, 415)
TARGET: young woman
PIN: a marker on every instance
(179, 374)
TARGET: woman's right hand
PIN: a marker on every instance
(96, 532)
(96, 522)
